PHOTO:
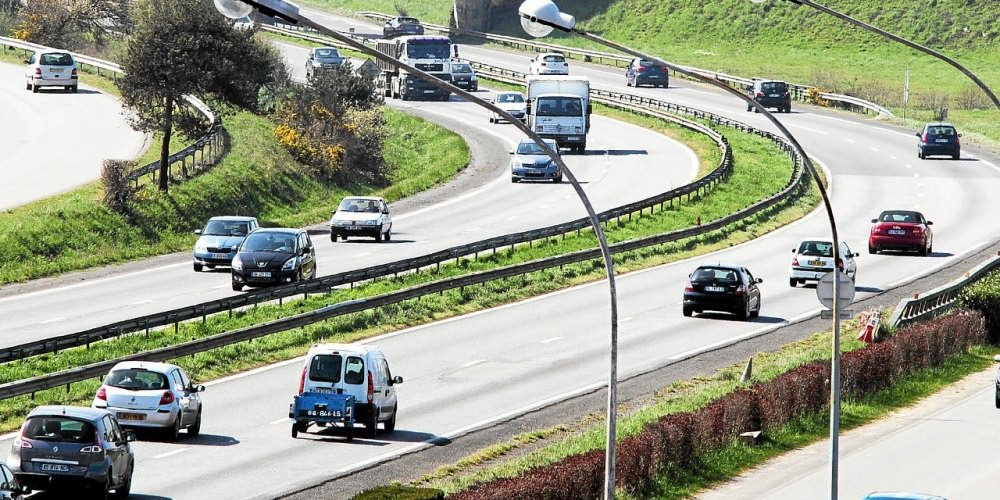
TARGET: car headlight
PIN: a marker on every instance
(473, 77)
(579, 130)
(290, 264)
(199, 247)
(338, 222)
(317, 64)
(372, 222)
(237, 264)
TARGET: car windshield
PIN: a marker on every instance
(359, 205)
(327, 54)
(559, 106)
(428, 49)
(510, 98)
(946, 131)
(461, 68)
(56, 59)
(135, 379)
(816, 248)
(325, 368)
(554, 59)
(773, 87)
(269, 242)
(226, 228)
(717, 274)
(58, 428)
(530, 148)
(900, 216)
(408, 20)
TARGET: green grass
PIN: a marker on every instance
(428, 11)
(759, 172)
(257, 177)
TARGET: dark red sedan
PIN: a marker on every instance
(901, 230)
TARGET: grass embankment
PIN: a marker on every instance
(257, 177)
(429, 11)
(759, 172)
(529, 450)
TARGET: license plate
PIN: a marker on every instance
(775, 95)
(941, 140)
(323, 413)
(572, 138)
(816, 262)
(131, 416)
(428, 91)
(896, 231)
(353, 228)
(55, 467)
(56, 70)
(260, 274)
(714, 289)
(654, 76)
(324, 390)
(532, 171)
(220, 256)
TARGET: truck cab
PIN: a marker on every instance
(559, 108)
(431, 54)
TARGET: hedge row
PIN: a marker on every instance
(679, 440)
(984, 296)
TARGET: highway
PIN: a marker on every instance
(944, 445)
(468, 372)
(55, 140)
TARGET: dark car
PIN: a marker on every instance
(218, 241)
(274, 256)
(401, 25)
(939, 139)
(901, 230)
(322, 58)
(722, 287)
(771, 94)
(72, 449)
(10, 489)
(642, 72)
(463, 77)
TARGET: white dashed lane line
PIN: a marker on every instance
(171, 453)
(549, 341)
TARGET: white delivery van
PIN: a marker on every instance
(559, 108)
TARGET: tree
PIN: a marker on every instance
(185, 47)
(71, 24)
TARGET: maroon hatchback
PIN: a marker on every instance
(901, 230)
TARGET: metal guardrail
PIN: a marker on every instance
(211, 139)
(941, 299)
(798, 91)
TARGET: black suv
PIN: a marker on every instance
(939, 139)
(643, 72)
(398, 26)
(771, 94)
(274, 256)
(722, 287)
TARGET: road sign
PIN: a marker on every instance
(824, 290)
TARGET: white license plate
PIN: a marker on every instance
(323, 413)
(896, 231)
(654, 76)
(714, 289)
(260, 274)
(56, 70)
(817, 262)
(775, 95)
(572, 138)
(941, 140)
(130, 416)
(353, 228)
(323, 390)
(428, 91)
(220, 256)
(55, 467)
(533, 171)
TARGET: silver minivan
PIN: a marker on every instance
(357, 370)
(51, 69)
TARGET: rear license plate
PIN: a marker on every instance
(654, 76)
(260, 274)
(56, 70)
(130, 416)
(816, 262)
(896, 231)
(55, 467)
(714, 289)
(428, 91)
(323, 413)
(324, 390)
(941, 140)
(775, 95)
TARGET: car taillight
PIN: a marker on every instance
(689, 287)
(94, 448)
(795, 261)
(38, 71)
(923, 138)
(73, 73)
(543, 64)
(918, 231)
(102, 394)
(302, 379)
(840, 264)
(760, 94)
(641, 68)
(876, 230)
(371, 387)
(22, 442)
(740, 290)
(166, 398)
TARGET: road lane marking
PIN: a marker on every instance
(852, 141)
(473, 363)
(873, 148)
(891, 157)
(549, 341)
(53, 320)
(909, 166)
(626, 319)
(91, 282)
(171, 453)
(280, 420)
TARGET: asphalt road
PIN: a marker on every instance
(55, 140)
(469, 372)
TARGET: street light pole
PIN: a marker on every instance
(897, 38)
(540, 17)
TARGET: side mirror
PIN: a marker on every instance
(397, 380)
(27, 61)
(960, 135)
(510, 152)
(386, 211)
(917, 134)
(856, 254)
(759, 280)
(129, 436)
(929, 223)
(793, 250)
(874, 221)
(996, 358)
(196, 388)
(197, 231)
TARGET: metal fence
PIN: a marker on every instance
(941, 299)
(799, 91)
(211, 140)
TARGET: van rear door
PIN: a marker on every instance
(326, 373)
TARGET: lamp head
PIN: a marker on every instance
(540, 17)
(236, 9)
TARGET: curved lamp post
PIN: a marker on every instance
(539, 18)
(908, 43)
(290, 12)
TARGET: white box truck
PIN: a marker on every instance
(559, 108)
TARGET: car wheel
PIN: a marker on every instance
(755, 110)
(174, 432)
(388, 235)
(371, 426)
(197, 268)
(745, 313)
(390, 425)
(920, 154)
(343, 237)
(237, 287)
(956, 156)
(298, 427)
(558, 179)
(123, 490)
(34, 88)
(792, 282)
(686, 312)
(923, 251)
(492, 120)
(872, 250)
(378, 236)
(749, 108)
(74, 88)
(103, 491)
(333, 238)
(756, 312)
(998, 398)
(514, 180)
(195, 429)
(628, 83)
(27, 86)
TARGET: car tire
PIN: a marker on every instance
(122, 491)
(749, 108)
(514, 180)
(34, 88)
(792, 282)
(558, 180)
(195, 429)
(371, 426)
(755, 110)
(343, 237)
(174, 433)
(492, 120)
(378, 236)
(27, 86)
(74, 89)
(237, 287)
(686, 312)
(103, 491)
(388, 235)
(872, 250)
(923, 251)
(744, 315)
(998, 398)
(197, 268)
(390, 425)
(956, 156)
(756, 312)
(920, 154)
(628, 83)
(298, 427)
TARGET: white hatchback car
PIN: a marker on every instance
(361, 216)
(357, 370)
(814, 258)
(151, 395)
(511, 102)
(51, 69)
(549, 64)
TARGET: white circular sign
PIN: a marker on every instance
(824, 290)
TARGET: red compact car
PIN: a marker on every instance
(901, 230)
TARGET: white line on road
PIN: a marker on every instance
(873, 148)
(472, 363)
(549, 341)
(91, 282)
(53, 320)
(171, 453)
(852, 141)
(891, 157)
(627, 319)
(280, 420)
(909, 166)
(512, 218)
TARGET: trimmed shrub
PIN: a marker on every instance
(399, 492)
(984, 296)
(119, 192)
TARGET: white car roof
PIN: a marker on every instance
(550, 142)
(373, 198)
(146, 365)
(351, 348)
